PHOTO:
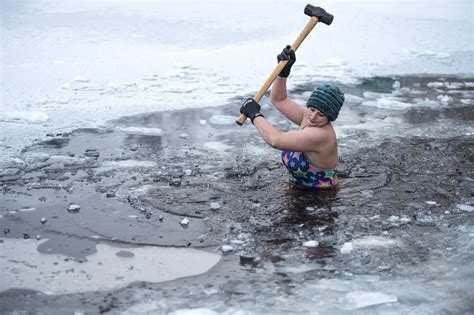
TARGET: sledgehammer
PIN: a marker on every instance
(317, 14)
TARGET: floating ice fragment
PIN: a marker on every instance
(353, 99)
(141, 131)
(444, 98)
(429, 202)
(393, 218)
(202, 121)
(183, 135)
(127, 164)
(29, 209)
(361, 299)
(387, 103)
(426, 103)
(215, 205)
(466, 208)
(43, 221)
(184, 221)
(435, 85)
(227, 248)
(237, 242)
(405, 219)
(73, 208)
(374, 241)
(346, 248)
(311, 243)
(222, 120)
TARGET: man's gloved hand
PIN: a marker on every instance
(251, 109)
(286, 54)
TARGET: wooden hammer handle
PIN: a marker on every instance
(308, 28)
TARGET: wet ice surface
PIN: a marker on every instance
(396, 237)
(108, 268)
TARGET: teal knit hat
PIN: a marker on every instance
(328, 99)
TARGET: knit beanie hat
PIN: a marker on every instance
(328, 99)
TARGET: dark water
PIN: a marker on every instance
(397, 204)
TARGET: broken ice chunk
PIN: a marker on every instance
(215, 205)
(73, 208)
(346, 248)
(227, 248)
(311, 243)
(361, 299)
(466, 208)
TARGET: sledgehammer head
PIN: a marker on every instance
(320, 13)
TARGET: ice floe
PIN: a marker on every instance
(374, 241)
(222, 120)
(464, 207)
(311, 243)
(127, 164)
(148, 131)
(104, 270)
(346, 248)
(360, 299)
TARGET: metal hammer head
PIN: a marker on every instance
(320, 13)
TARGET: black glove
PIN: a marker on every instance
(286, 54)
(251, 109)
